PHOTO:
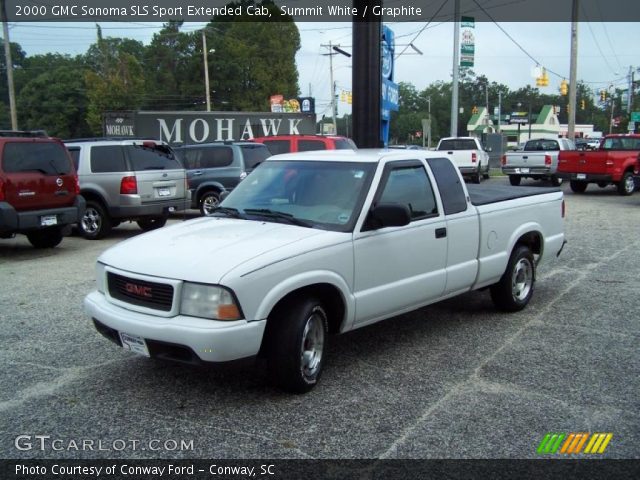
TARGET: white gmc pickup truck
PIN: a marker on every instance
(316, 243)
(468, 154)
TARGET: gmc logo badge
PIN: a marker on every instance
(138, 290)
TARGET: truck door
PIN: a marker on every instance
(463, 227)
(401, 268)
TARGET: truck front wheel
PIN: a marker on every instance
(297, 345)
(626, 185)
(515, 288)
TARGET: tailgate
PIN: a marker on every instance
(39, 175)
(582, 162)
(159, 174)
(527, 159)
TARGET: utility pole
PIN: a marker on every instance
(9, 63)
(573, 71)
(630, 91)
(205, 54)
(499, 109)
(333, 85)
(429, 131)
(456, 61)
(611, 99)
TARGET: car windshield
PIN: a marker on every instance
(319, 194)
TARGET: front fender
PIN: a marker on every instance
(306, 279)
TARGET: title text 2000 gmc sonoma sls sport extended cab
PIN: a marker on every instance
(316, 243)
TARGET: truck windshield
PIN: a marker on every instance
(326, 195)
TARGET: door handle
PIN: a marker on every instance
(197, 172)
(441, 232)
(449, 153)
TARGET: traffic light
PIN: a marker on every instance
(582, 104)
(564, 87)
(543, 79)
(603, 95)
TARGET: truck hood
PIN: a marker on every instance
(204, 250)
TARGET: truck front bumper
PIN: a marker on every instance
(181, 338)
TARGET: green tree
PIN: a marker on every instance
(115, 80)
(252, 60)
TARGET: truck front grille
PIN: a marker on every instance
(158, 296)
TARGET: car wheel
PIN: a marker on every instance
(209, 202)
(95, 223)
(577, 187)
(515, 288)
(514, 180)
(152, 223)
(298, 341)
(47, 238)
(555, 180)
(626, 185)
(485, 175)
(475, 178)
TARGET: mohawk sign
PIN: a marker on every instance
(189, 128)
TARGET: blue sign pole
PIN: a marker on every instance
(390, 90)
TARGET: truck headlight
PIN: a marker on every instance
(101, 276)
(208, 301)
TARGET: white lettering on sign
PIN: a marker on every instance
(272, 127)
(228, 129)
(247, 130)
(293, 126)
(167, 135)
(192, 130)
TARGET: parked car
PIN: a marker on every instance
(468, 154)
(127, 179)
(213, 168)
(616, 162)
(317, 243)
(538, 160)
(303, 143)
(39, 191)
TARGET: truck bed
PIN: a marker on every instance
(487, 194)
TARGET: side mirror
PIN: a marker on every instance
(388, 215)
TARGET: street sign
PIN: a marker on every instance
(635, 116)
(632, 126)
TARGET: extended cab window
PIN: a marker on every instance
(345, 144)
(278, 146)
(151, 158)
(410, 186)
(108, 158)
(254, 155)
(47, 158)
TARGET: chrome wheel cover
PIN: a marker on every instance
(522, 279)
(209, 203)
(91, 220)
(312, 346)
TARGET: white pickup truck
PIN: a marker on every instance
(468, 154)
(316, 243)
(538, 159)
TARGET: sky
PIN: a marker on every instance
(504, 52)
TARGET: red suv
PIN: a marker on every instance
(39, 190)
(304, 143)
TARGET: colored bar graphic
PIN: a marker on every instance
(574, 443)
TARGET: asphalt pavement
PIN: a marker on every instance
(453, 380)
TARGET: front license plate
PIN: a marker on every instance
(581, 176)
(524, 170)
(48, 220)
(164, 192)
(134, 343)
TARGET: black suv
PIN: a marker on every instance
(213, 168)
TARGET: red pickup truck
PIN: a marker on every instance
(616, 162)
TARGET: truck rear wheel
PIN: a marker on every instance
(626, 185)
(95, 222)
(515, 288)
(515, 180)
(577, 186)
(297, 345)
(555, 180)
(47, 238)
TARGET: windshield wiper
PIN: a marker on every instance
(227, 212)
(287, 217)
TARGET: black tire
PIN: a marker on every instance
(46, 238)
(208, 201)
(95, 223)
(515, 180)
(151, 223)
(299, 325)
(475, 178)
(555, 180)
(626, 185)
(515, 288)
(577, 186)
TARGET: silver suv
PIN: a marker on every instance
(138, 180)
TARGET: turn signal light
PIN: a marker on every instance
(547, 160)
(474, 157)
(128, 185)
(503, 160)
(76, 183)
(1, 190)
